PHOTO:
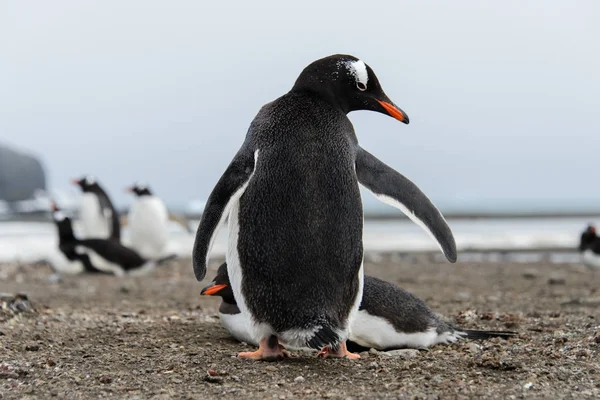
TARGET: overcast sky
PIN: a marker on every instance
(503, 97)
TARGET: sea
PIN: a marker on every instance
(521, 239)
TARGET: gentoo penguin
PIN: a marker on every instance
(98, 255)
(148, 221)
(589, 247)
(291, 195)
(388, 318)
(98, 216)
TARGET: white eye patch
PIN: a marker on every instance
(358, 69)
(90, 180)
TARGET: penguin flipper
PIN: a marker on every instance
(395, 189)
(228, 189)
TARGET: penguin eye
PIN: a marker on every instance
(361, 86)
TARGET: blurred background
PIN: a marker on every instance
(503, 100)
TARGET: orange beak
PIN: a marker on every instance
(213, 289)
(53, 206)
(129, 190)
(75, 181)
(394, 111)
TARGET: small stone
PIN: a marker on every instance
(373, 365)
(557, 281)
(235, 378)
(105, 379)
(530, 273)
(373, 351)
(299, 379)
(212, 379)
(473, 348)
(50, 362)
(32, 347)
(271, 368)
(403, 353)
(528, 385)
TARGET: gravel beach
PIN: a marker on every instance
(156, 337)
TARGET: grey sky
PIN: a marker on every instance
(503, 97)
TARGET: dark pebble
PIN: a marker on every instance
(32, 347)
(105, 379)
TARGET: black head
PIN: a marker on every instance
(63, 223)
(87, 183)
(220, 286)
(588, 237)
(140, 189)
(347, 83)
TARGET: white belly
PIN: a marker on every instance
(148, 221)
(590, 259)
(94, 224)
(371, 331)
(238, 325)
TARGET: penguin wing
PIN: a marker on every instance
(394, 189)
(228, 189)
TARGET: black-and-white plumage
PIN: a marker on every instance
(389, 318)
(148, 223)
(97, 214)
(589, 247)
(295, 213)
(96, 255)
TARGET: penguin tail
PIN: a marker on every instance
(324, 336)
(481, 335)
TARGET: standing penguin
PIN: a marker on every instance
(148, 221)
(98, 216)
(295, 252)
(589, 247)
(388, 318)
(98, 255)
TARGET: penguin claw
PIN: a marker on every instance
(342, 351)
(265, 353)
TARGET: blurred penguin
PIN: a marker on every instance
(97, 215)
(589, 247)
(148, 221)
(97, 255)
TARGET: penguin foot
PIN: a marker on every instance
(342, 351)
(268, 350)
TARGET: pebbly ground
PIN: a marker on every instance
(156, 337)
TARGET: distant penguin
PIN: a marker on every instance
(291, 195)
(589, 247)
(389, 318)
(98, 255)
(148, 222)
(97, 215)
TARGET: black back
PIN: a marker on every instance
(88, 184)
(308, 245)
(405, 311)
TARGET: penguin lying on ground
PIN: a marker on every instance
(389, 318)
(97, 215)
(96, 255)
(291, 195)
(589, 247)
